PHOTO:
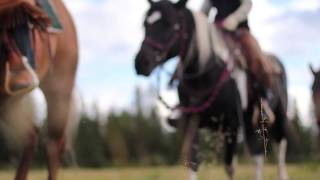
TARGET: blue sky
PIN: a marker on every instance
(110, 32)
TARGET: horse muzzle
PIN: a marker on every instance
(145, 63)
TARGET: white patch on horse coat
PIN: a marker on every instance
(283, 175)
(210, 40)
(259, 160)
(192, 175)
(154, 17)
(241, 79)
(203, 40)
(18, 118)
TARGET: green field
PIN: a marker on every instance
(244, 172)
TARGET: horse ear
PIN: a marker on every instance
(181, 4)
(312, 70)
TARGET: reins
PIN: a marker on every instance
(183, 35)
(205, 105)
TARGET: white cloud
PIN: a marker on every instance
(305, 5)
(291, 31)
(105, 27)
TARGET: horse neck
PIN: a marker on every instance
(200, 51)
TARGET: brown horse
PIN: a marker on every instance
(56, 55)
(316, 93)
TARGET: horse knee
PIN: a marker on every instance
(56, 145)
(56, 132)
(56, 139)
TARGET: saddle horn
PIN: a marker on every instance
(312, 69)
(181, 3)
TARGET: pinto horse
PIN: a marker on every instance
(208, 96)
(277, 129)
(56, 55)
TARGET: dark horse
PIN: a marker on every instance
(277, 127)
(208, 96)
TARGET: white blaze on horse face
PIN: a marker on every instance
(154, 17)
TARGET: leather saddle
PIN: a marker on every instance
(26, 24)
(236, 54)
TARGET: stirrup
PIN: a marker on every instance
(35, 81)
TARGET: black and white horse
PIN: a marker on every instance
(277, 129)
(208, 95)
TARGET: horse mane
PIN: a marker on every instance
(16, 12)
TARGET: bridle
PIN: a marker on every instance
(180, 36)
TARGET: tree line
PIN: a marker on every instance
(137, 138)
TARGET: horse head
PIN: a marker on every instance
(164, 33)
(316, 92)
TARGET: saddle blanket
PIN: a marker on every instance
(56, 25)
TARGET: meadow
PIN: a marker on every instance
(244, 172)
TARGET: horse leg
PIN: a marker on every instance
(283, 175)
(58, 111)
(230, 143)
(259, 161)
(27, 156)
(57, 89)
(72, 128)
(193, 167)
(54, 150)
(190, 147)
